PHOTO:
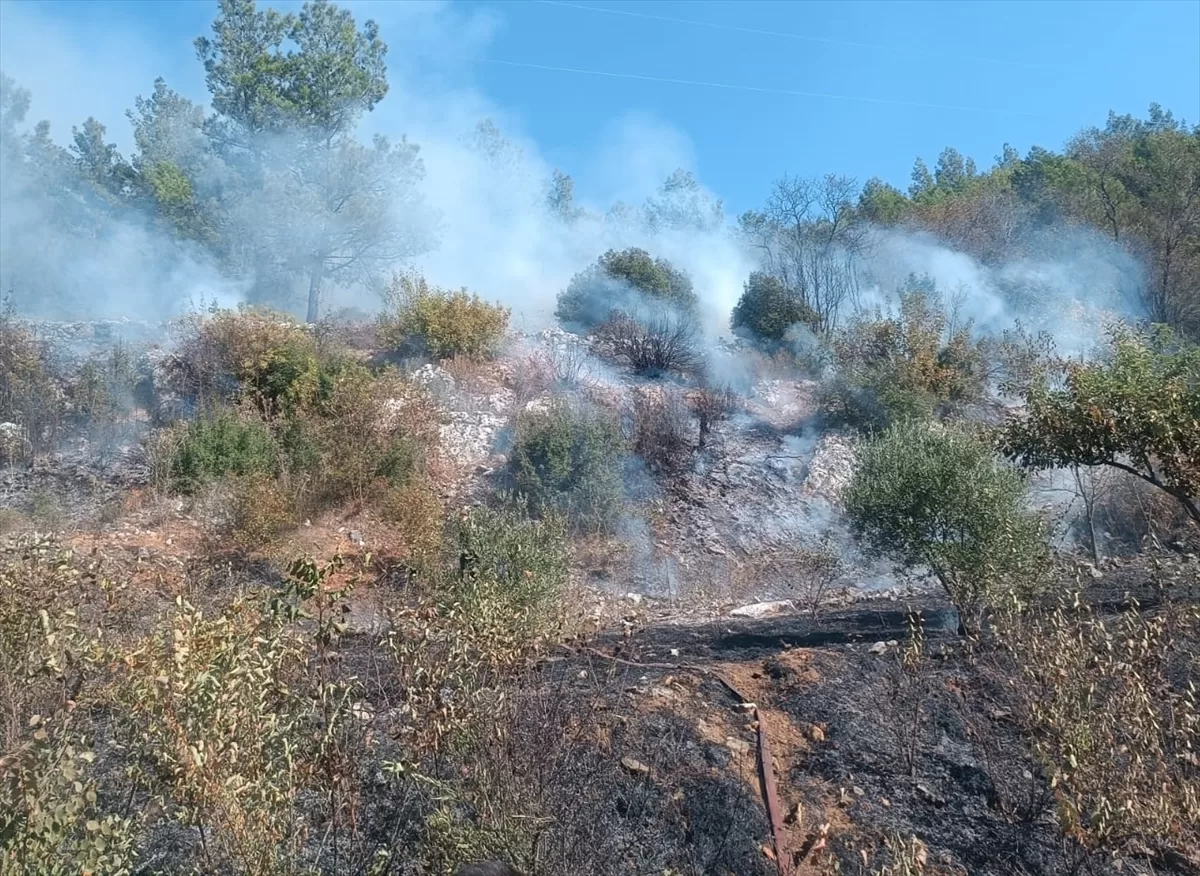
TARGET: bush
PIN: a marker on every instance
(1138, 410)
(442, 323)
(266, 355)
(358, 442)
(234, 718)
(768, 310)
(711, 405)
(624, 281)
(893, 369)
(30, 395)
(662, 431)
(872, 409)
(260, 511)
(511, 575)
(417, 512)
(932, 497)
(652, 348)
(567, 459)
(222, 443)
(1113, 720)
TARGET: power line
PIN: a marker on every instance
(785, 92)
(795, 36)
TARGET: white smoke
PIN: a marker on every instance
(1076, 281)
(495, 234)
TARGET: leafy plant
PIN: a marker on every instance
(222, 443)
(259, 511)
(265, 354)
(51, 819)
(442, 322)
(30, 394)
(235, 720)
(939, 498)
(768, 310)
(897, 368)
(511, 578)
(371, 433)
(1113, 717)
(1137, 411)
(568, 459)
(625, 281)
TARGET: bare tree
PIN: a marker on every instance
(657, 346)
(711, 405)
(662, 431)
(810, 241)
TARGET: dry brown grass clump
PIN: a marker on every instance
(1110, 707)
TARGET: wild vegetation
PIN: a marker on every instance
(385, 595)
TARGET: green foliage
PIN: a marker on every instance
(1138, 411)
(370, 434)
(568, 459)
(311, 76)
(898, 368)
(768, 310)
(30, 395)
(51, 820)
(441, 322)
(234, 718)
(52, 817)
(103, 396)
(315, 427)
(627, 281)
(259, 510)
(222, 443)
(927, 496)
(261, 353)
(872, 407)
(511, 577)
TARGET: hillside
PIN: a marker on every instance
(856, 534)
(625, 651)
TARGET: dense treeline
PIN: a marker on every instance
(277, 189)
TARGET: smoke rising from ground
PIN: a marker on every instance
(482, 198)
(1077, 280)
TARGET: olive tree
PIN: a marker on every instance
(931, 497)
(1136, 410)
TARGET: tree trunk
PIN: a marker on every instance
(1088, 493)
(314, 291)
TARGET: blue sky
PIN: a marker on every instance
(898, 79)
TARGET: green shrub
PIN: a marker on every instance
(260, 511)
(103, 390)
(625, 281)
(443, 323)
(416, 510)
(219, 444)
(928, 496)
(510, 578)
(871, 409)
(898, 368)
(568, 459)
(1100, 699)
(261, 353)
(30, 395)
(357, 442)
(1138, 411)
(768, 310)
